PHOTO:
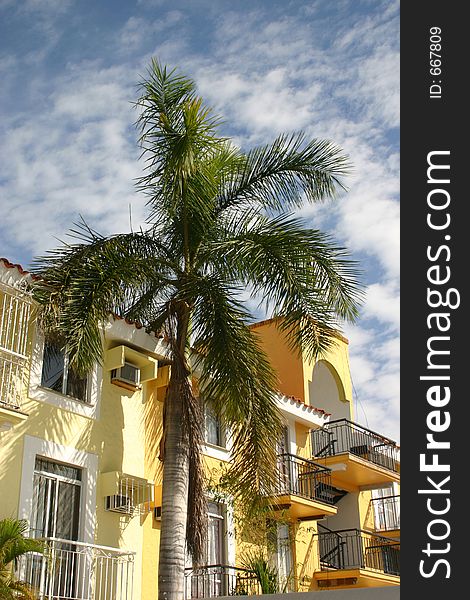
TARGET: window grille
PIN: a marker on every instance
(131, 495)
(15, 311)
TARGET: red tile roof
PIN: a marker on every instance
(314, 408)
(19, 268)
(135, 324)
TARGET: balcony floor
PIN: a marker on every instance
(390, 533)
(349, 471)
(363, 577)
(298, 507)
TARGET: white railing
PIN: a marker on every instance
(69, 570)
(15, 312)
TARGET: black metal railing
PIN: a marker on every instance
(301, 477)
(386, 512)
(212, 581)
(357, 549)
(340, 436)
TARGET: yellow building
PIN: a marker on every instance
(79, 459)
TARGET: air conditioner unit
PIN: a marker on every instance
(127, 376)
(157, 513)
(119, 503)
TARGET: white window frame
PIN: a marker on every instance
(86, 461)
(59, 479)
(226, 504)
(219, 452)
(222, 430)
(90, 409)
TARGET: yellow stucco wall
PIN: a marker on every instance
(287, 365)
(295, 373)
(126, 438)
(302, 438)
(116, 437)
(336, 360)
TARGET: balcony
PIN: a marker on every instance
(213, 581)
(356, 455)
(383, 516)
(351, 557)
(304, 488)
(70, 570)
(15, 309)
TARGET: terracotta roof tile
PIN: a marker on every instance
(313, 408)
(135, 324)
(19, 268)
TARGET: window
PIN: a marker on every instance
(215, 549)
(15, 308)
(281, 559)
(214, 576)
(56, 501)
(211, 580)
(386, 503)
(214, 431)
(57, 376)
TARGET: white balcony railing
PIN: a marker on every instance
(15, 310)
(69, 570)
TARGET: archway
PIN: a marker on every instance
(326, 391)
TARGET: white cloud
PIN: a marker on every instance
(265, 73)
(79, 157)
(383, 303)
(138, 31)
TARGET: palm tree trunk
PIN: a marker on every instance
(175, 483)
(174, 501)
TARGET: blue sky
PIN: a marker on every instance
(69, 70)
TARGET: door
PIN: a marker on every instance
(213, 579)
(56, 516)
(284, 558)
(386, 509)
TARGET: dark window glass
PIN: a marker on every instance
(53, 368)
(76, 386)
(49, 466)
(56, 502)
(57, 376)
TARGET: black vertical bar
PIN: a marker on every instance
(434, 119)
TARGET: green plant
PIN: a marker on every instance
(256, 561)
(13, 545)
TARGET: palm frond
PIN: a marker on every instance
(14, 544)
(82, 283)
(298, 271)
(281, 175)
(237, 377)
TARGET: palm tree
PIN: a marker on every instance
(219, 224)
(13, 544)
